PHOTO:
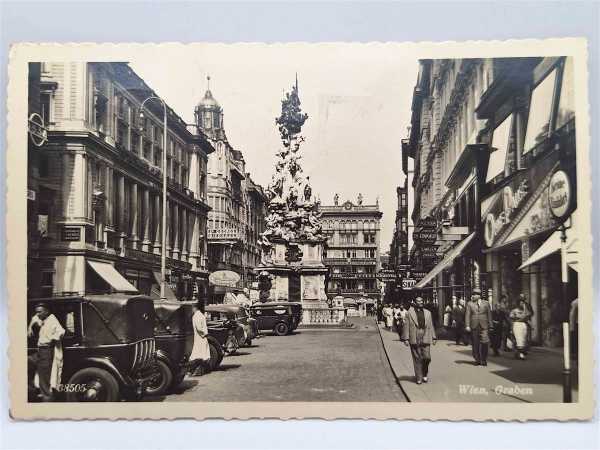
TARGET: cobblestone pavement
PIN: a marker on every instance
(310, 365)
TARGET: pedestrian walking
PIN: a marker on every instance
(401, 319)
(448, 315)
(419, 333)
(388, 315)
(200, 355)
(499, 323)
(519, 317)
(458, 322)
(478, 319)
(49, 358)
(529, 309)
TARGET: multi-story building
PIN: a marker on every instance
(486, 137)
(238, 205)
(352, 254)
(99, 182)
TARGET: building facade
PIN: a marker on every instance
(98, 181)
(486, 138)
(353, 254)
(238, 204)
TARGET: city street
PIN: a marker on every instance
(309, 365)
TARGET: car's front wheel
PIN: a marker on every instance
(281, 329)
(162, 380)
(92, 384)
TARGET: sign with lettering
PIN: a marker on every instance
(70, 234)
(427, 237)
(408, 283)
(386, 275)
(559, 194)
(428, 222)
(37, 130)
(503, 207)
(224, 278)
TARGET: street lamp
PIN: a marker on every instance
(163, 251)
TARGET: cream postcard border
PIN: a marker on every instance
(16, 244)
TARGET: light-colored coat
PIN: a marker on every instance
(478, 315)
(409, 332)
(201, 349)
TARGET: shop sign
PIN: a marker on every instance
(428, 222)
(31, 195)
(559, 194)
(386, 275)
(429, 251)
(511, 200)
(37, 130)
(408, 283)
(70, 234)
(419, 275)
(224, 278)
(427, 237)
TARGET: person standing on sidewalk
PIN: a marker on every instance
(499, 321)
(458, 322)
(478, 320)
(520, 317)
(419, 333)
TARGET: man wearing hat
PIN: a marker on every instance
(418, 332)
(478, 319)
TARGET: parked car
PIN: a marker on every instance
(279, 317)
(108, 346)
(238, 314)
(174, 335)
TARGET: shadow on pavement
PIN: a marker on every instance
(226, 367)
(240, 354)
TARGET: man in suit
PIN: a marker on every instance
(478, 320)
(419, 333)
(458, 321)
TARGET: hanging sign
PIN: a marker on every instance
(37, 130)
(559, 194)
(224, 278)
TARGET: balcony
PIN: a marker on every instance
(228, 234)
(354, 291)
(351, 261)
(351, 275)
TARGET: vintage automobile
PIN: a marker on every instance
(235, 313)
(227, 331)
(108, 346)
(279, 317)
(174, 337)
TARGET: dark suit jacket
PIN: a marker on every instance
(409, 331)
(458, 315)
(478, 316)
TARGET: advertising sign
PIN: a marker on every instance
(386, 275)
(427, 237)
(559, 194)
(408, 283)
(224, 278)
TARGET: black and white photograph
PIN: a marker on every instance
(331, 224)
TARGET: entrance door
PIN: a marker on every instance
(294, 287)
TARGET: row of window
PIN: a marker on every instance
(353, 269)
(348, 253)
(350, 225)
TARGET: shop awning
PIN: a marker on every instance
(450, 256)
(109, 274)
(169, 294)
(553, 244)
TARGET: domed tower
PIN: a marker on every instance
(209, 115)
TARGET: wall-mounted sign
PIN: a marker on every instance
(426, 237)
(511, 200)
(408, 283)
(386, 275)
(70, 234)
(37, 130)
(428, 222)
(559, 194)
(30, 194)
(224, 278)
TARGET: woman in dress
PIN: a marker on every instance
(200, 355)
(519, 317)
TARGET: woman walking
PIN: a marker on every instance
(519, 317)
(200, 355)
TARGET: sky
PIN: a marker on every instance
(357, 97)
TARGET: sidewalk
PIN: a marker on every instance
(454, 378)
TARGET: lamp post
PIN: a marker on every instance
(163, 251)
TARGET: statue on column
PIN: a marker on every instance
(336, 199)
(360, 199)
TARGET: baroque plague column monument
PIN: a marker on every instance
(292, 245)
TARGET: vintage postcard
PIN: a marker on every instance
(335, 230)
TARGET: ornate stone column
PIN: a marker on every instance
(184, 232)
(146, 214)
(134, 216)
(194, 241)
(176, 225)
(157, 224)
(169, 227)
(121, 209)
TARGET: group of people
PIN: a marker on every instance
(506, 329)
(476, 321)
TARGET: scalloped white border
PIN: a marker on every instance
(16, 238)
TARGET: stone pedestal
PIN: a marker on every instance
(311, 271)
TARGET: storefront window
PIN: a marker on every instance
(566, 105)
(500, 142)
(540, 109)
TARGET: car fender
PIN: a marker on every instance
(164, 357)
(108, 365)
